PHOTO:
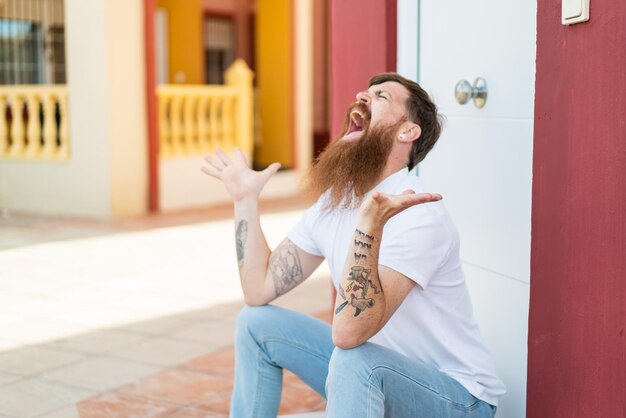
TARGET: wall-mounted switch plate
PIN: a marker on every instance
(574, 11)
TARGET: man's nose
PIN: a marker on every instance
(363, 97)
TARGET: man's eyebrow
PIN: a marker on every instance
(379, 91)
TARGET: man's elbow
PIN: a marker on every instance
(346, 340)
(250, 300)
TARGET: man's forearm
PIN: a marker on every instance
(360, 303)
(252, 249)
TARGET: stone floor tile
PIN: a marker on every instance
(300, 400)
(114, 405)
(157, 326)
(161, 351)
(31, 360)
(6, 378)
(38, 330)
(291, 380)
(196, 413)
(224, 311)
(178, 386)
(97, 341)
(216, 402)
(96, 318)
(213, 333)
(6, 345)
(34, 397)
(220, 362)
(101, 373)
(70, 411)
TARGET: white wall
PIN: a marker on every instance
(482, 163)
(408, 39)
(106, 172)
(126, 107)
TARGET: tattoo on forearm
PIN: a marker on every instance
(359, 277)
(364, 235)
(241, 235)
(342, 293)
(286, 268)
(362, 245)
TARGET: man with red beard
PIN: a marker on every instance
(403, 342)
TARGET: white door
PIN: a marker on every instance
(483, 162)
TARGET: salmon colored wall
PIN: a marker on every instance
(275, 81)
(242, 11)
(186, 51)
(321, 33)
(363, 43)
(577, 335)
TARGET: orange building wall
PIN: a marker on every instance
(186, 52)
(275, 81)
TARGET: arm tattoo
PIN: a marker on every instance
(240, 237)
(286, 268)
(359, 276)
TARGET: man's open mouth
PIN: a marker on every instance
(357, 122)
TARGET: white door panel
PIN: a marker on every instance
(501, 309)
(483, 163)
(493, 39)
(482, 168)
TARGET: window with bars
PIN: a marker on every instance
(219, 48)
(32, 42)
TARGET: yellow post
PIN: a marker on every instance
(64, 148)
(240, 76)
(4, 129)
(33, 130)
(17, 126)
(49, 128)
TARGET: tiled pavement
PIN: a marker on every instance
(130, 318)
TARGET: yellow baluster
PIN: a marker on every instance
(190, 131)
(214, 122)
(17, 127)
(49, 128)
(201, 118)
(175, 124)
(4, 129)
(64, 147)
(165, 134)
(33, 130)
(230, 141)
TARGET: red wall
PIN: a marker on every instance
(363, 43)
(577, 341)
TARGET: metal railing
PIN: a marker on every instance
(34, 122)
(196, 119)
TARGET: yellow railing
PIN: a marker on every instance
(34, 122)
(196, 119)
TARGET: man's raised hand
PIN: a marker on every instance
(379, 207)
(240, 180)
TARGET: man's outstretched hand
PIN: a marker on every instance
(240, 180)
(379, 207)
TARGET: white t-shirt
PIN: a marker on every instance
(435, 323)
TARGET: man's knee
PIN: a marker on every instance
(252, 318)
(358, 355)
(352, 362)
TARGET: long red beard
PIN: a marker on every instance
(350, 169)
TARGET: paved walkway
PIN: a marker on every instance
(131, 318)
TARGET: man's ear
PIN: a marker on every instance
(409, 132)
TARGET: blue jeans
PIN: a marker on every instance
(369, 381)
